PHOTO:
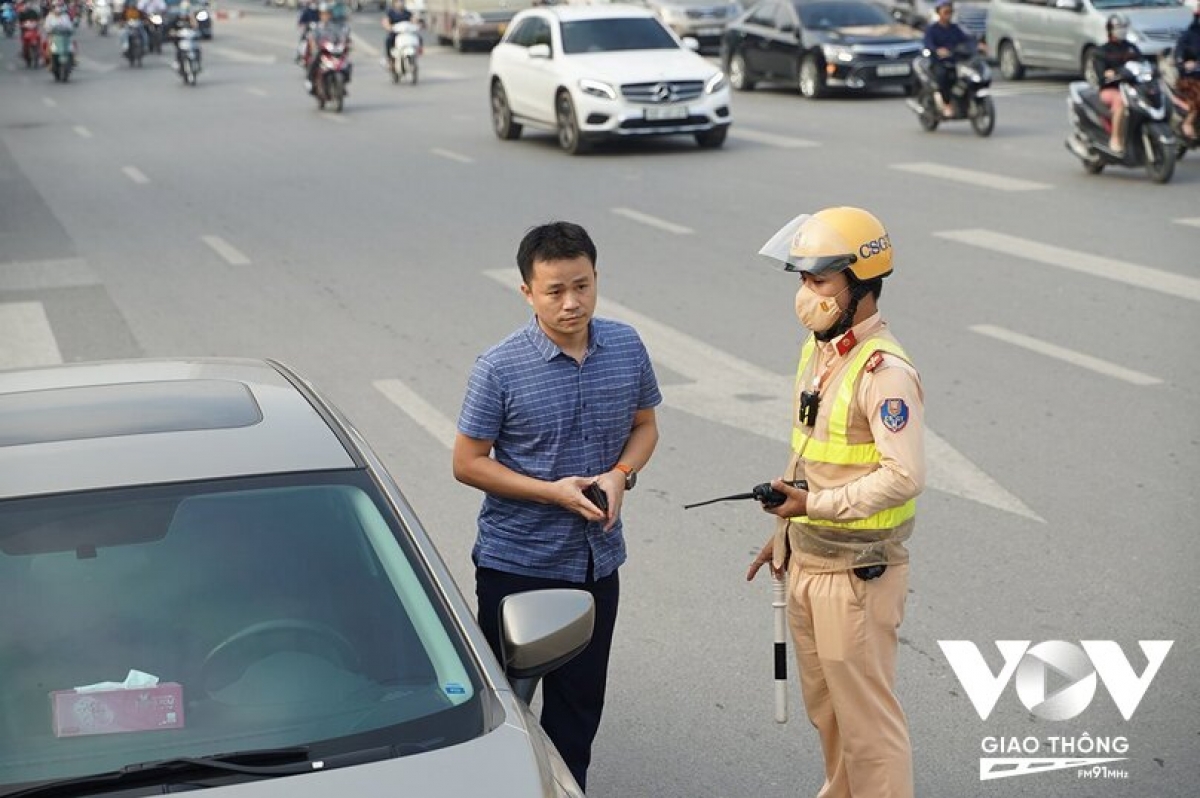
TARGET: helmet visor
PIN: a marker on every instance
(808, 244)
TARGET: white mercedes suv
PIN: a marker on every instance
(596, 71)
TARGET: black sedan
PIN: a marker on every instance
(819, 44)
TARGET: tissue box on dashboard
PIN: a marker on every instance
(82, 712)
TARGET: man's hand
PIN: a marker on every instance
(943, 52)
(568, 494)
(795, 504)
(765, 557)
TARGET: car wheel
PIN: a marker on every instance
(1010, 63)
(811, 81)
(502, 121)
(713, 139)
(739, 77)
(569, 137)
(1088, 68)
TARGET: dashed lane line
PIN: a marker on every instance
(430, 418)
(451, 155)
(771, 139)
(1195, 222)
(1145, 277)
(135, 174)
(971, 176)
(653, 221)
(226, 250)
(25, 336)
(1066, 355)
(83, 132)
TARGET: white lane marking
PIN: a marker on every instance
(1190, 222)
(441, 74)
(426, 415)
(653, 221)
(25, 336)
(83, 132)
(773, 139)
(451, 155)
(1119, 271)
(359, 44)
(730, 391)
(336, 118)
(241, 56)
(257, 92)
(49, 103)
(226, 250)
(1066, 355)
(135, 174)
(970, 176)
(1032, 88)
(42, 274)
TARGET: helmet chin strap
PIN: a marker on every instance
(846, 321)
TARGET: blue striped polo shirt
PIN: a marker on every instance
(550, 417)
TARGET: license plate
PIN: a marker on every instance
(892, 70)
(667, 112)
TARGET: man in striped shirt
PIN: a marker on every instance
(561, 404)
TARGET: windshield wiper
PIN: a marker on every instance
(265, 763)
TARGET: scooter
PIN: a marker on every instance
(187, 55)
(970, 93)
(31, 43)
(333, 72)
(1149, 140)
(62, 53)
(135, 42)
(8, 18)
(406, 48)
(1172, 74)
(102, 15)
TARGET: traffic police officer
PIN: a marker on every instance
(857, 439)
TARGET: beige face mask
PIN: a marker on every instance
(818, 313)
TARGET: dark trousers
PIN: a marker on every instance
(944, 74)
(573, 695)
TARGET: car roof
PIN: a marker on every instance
(119, 423)
(573, 13)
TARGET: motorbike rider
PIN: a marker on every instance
(131, 13)
(184, 19)
(395, 15)
(1107, 62)
(327, 29)
(942, 38)
(58, 19)
(1187, 62)
(309, 16)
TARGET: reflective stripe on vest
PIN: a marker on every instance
(837, 449)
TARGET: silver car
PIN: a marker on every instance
(207, 580)
(703, 20)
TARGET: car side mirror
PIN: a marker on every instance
(1069, 5)
(541, 630)
(539, 51)
(691, 43)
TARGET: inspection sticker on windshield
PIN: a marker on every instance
(454, 688)
(78, 713)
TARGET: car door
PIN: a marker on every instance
(1062, 31)
(785, 43)
(526, 76)
(756, 42)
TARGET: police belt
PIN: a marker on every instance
(832, 548)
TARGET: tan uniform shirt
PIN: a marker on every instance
(851, 492)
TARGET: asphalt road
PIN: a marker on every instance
(1052, 315)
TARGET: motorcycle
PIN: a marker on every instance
(154, 32)
(1149, 140)
(970, 93)
(187, 55)
(135, 41)
(8, 17)
(1176, 71)
(31, 43)
(333, 71)
(62, 53)
(406, 48)
(102, 15)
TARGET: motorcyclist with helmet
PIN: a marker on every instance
(327, 28)
(1107, 61)
(1187, 63)
(942, 39)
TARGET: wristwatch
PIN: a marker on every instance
(630, 475)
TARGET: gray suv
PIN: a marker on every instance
(1061, 34)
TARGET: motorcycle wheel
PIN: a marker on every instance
(185, 71)
(396, 70)
(411, 68)
(339, 91)
(104, 30)
(1160, 159)
(929, 116)
(983, 120)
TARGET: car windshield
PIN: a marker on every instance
(841, 14)
(151, 623)
(609, 35)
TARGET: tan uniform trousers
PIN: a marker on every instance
(846, 634)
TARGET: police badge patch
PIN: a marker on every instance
(894, 413)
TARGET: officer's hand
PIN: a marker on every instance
(795, 504)
(765, 557)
